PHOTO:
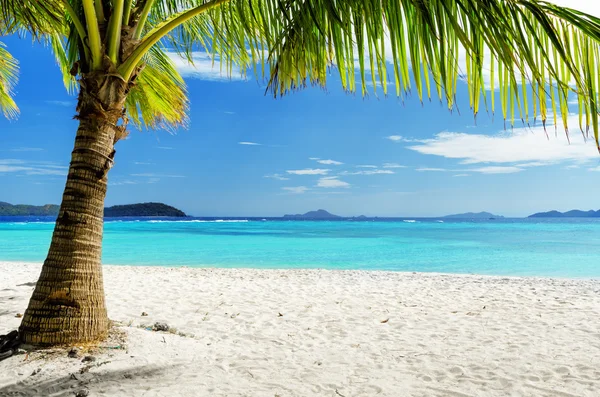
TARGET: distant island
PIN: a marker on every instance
(474, 215)
(7, 209)
(568, 214)
(318, 214)
(142, 209)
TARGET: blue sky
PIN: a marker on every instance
(247, 154)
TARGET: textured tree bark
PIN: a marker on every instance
(68, 303)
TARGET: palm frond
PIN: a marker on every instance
(35, 16)
(413, 45)
(58, 43)
(528, 51)
(158, 99)
(9, 68)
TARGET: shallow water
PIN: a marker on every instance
(520, 247)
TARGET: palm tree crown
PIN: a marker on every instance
(414, 44)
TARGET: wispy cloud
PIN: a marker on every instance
(295, 189)
(152, 175)
(249, 143)
(278, 177)
(393, 165)
(395, 138)
(368, 172)
(366, 166)
(400, 138)
(481, 170)
(595, 169)
(326, 162)
(429, 169)
(142, 163)
(27, 149)
(496, 170)
(164, 147)
(62, 103)
(332, 182)
(309, 171)
(133, 182)
(22, 167)
(203, 68)
(523, 145)
(460, 175)
(228, 112)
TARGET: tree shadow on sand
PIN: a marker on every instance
(111, 382)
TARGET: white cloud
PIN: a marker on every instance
(332, 182)
(366, 166)
(62, 103)
(30, 170)
(429, 169)
(393, 165)
(151, 175)
(368, 172)
(228, 112)
(278, 177)
(395, 138)
(496, 170)
(460, 175)
(142, 163)
(133, 182)
(523, 145)
(203, 67)
(27, 149)
(481, 170)
(326, 162)
(22, 167)
(309, 171)
(595, 169)
(164, 147)
(250, 143)
(123, 182)
(400, 138)
(295, 189)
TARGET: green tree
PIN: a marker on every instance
(118, 52)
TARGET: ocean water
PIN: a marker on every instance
(518, 247)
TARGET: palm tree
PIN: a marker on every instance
(119, 51)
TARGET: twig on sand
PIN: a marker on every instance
(338, 393)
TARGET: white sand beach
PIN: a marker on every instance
(320, 333)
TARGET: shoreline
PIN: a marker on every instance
(311, 332)
(321, 269)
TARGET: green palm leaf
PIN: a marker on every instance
(410, 44)
(413, 45)
(9, 68)
(34, 16)
(158, 99)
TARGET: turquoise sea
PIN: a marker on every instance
(519, 247)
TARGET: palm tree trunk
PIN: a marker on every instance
(68, 304)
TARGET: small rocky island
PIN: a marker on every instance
(568, 214)
(141, 210)
(138, 210)
(474, 215)
(317, 215)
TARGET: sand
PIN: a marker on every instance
(243, 332)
